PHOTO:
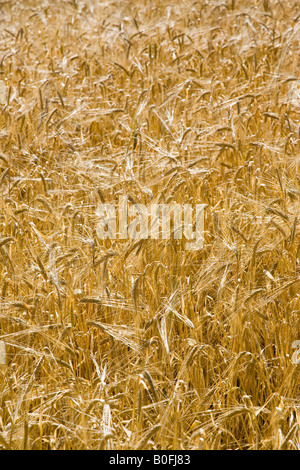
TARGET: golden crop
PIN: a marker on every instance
(141, 344)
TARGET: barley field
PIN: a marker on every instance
(128, 344)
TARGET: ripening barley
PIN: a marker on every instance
(118, 336)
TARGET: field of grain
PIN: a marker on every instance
(142, 344)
